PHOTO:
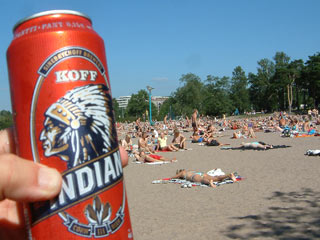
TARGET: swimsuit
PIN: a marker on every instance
(194, 174)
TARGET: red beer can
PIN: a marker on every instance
(62, 108)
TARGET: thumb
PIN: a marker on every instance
(25, 181)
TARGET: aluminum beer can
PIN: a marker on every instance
(62, 108)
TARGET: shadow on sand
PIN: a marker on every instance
(297, 218)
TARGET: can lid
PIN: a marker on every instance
(51, 12)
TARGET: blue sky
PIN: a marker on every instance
(151, 42)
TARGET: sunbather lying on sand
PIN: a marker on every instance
(214, 142)
(200, 177)
(206, 141)
(256, 145)
(142, 157)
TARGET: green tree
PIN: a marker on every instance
(116, 109)
(216, 97)
(190, 95)
(5, 119)
(138, 104)
(259, 90)
(239, 90)
(311, 75)
(168, 108)
(294, 72)
(280, 79)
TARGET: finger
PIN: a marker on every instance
(124, 156)
(6, 141)
(25, 181)
(11, 220)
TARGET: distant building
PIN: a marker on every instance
(158, 100)
(123, 101)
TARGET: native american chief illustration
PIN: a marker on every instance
(79, 126)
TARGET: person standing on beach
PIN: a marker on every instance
(138, 127)
(165, 119)
(165, 123)
(194, 120)
(187, 122)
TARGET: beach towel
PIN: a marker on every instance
(163, 151)
(313, 153)
(180, 150)
(152, 163)
(243, 148)
(304, 135)
(187, 184)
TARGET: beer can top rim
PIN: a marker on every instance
(51, 12)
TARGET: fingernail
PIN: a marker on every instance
(48, 179)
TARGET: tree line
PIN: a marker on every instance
(5, 119)
(280, 84)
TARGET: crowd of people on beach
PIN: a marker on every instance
(205, 130)
(22, 184)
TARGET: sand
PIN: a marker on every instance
(279, 198)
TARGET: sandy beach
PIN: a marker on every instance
(279, 198)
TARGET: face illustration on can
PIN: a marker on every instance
(53, 142)
(76, 123)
